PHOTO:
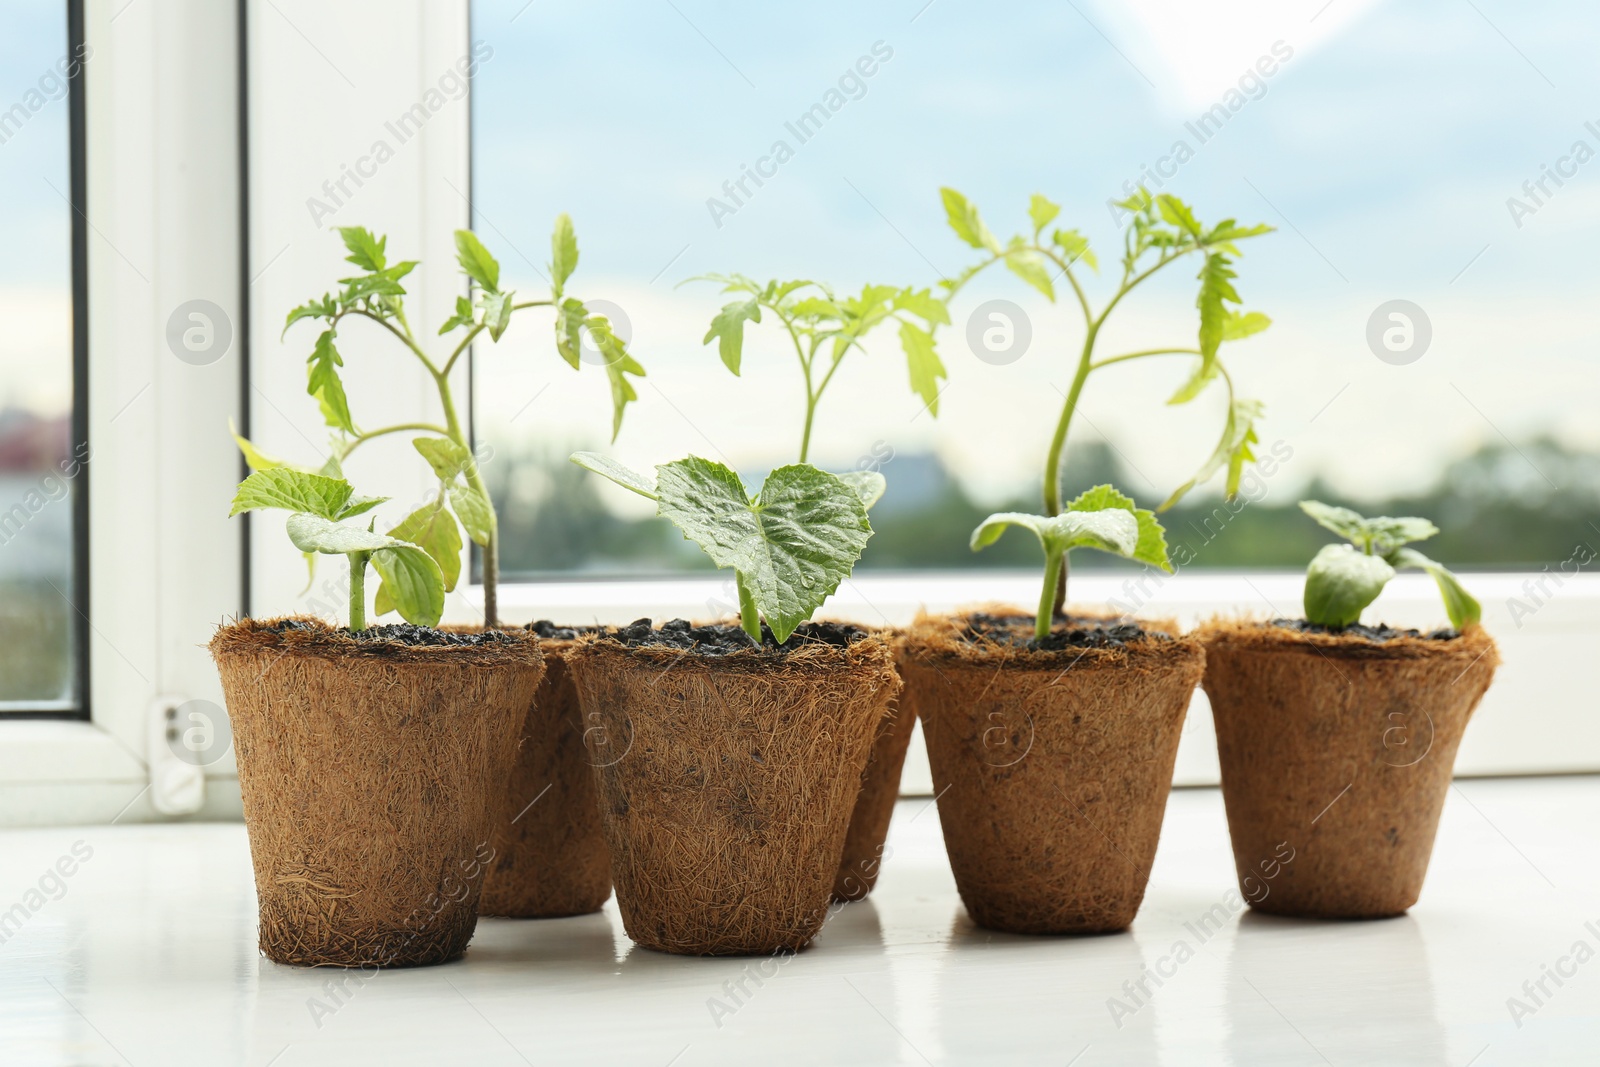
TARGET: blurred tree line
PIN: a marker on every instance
(1502, 507)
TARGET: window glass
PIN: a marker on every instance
(40, 462)
(1427, 167)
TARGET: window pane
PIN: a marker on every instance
(1434, 182)
(38, 458)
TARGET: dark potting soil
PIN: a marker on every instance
(722, 640)
(403, 633)
(1067, 631)
(549, 631)
(1379, 633)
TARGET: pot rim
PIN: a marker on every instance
(320, 640)
(932, 639)
(1256, 634)
(870, 652)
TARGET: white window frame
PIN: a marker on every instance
(163, 217)
(165, 202)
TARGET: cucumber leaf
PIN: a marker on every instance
(791, 546)
(1342, 581)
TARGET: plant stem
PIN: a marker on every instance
(1055, 564)
(491, 550)
(358, 590)
(749, 614)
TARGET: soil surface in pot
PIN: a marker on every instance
(1068, 631)
(549, 631)
(403, 633)
(1381, 632)
(721, 640)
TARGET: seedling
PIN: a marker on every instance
(1162, 230)
(319, 504)
(1344, 578)
(824, 328)
(462, 501)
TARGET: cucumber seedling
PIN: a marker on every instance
(1344, 578)
(462, 501)
(1161, 231)
(791, 544)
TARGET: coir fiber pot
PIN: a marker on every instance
(880, 787)
(1052, 766)
(727, 780)
(1341, 747)
(373, 772)
(551, 855)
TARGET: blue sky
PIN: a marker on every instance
(1384, 148)
(35, 251)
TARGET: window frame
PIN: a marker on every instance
(77, 707)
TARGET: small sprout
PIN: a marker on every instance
(319, 505)
(1344, 578)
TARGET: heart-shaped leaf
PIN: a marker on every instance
(791, 546)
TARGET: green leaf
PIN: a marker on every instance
(447, 458)
(924, 305)
(1030, 267)
(728, 329)
(1381, 535)
(1076, 247)
(433, 529)
(496, 313)
(292, 490)
(1340, 582)
(384, 283)
(475, 512)
(315, 309)
(322, 382)
(1463, 609)
(315, 533)
(619, 364)
(1232, 451)
(924, 364)
(570, 317)
(563, 253)
(1152, 544)
(476, 261)
(359, 505)
(1111, 530)
(1175, 212)
(1042, 211)
(1237, 326)
(1204, 374)
(462, 317)
(966, 222)
(1228, 230)
(791, 547)
(1216, 286)
(366, 251)
(607, 467)
(254, 458)
(1342, 521)
(413, 582)
(869, 485)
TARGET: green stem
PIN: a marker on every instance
(1147, 352)
(1054, 571)
(491, 551)
(1052, 466)
(358, 590)
(749, 614)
